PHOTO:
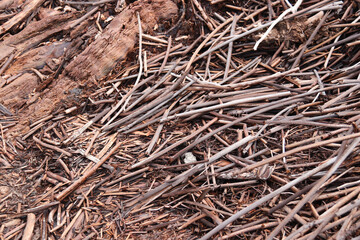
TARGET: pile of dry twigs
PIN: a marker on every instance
(233, 120)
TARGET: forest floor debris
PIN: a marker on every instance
(158, 119)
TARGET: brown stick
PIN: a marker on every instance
(89, 173)
(51, 147)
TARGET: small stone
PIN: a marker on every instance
(189, 158)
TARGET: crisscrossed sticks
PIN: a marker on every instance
(299, 149)
(165, 95)
(193, 57)
(338, 161)
(254, 111)
(323, 217)
(266, 198)
(298, 58)
(161, 103)
(236, 37)
(185, 175)
(159, 154)
(89, 173)
(228, 104)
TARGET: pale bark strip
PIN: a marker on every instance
(29, 228)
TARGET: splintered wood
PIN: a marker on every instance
(185, 119)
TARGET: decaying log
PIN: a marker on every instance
(119, 38)
(35, 33)
(98, 59)
(30, 6)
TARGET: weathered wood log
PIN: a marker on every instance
(28, 9)
(119, 38)
(35, 33)
(98, 59)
